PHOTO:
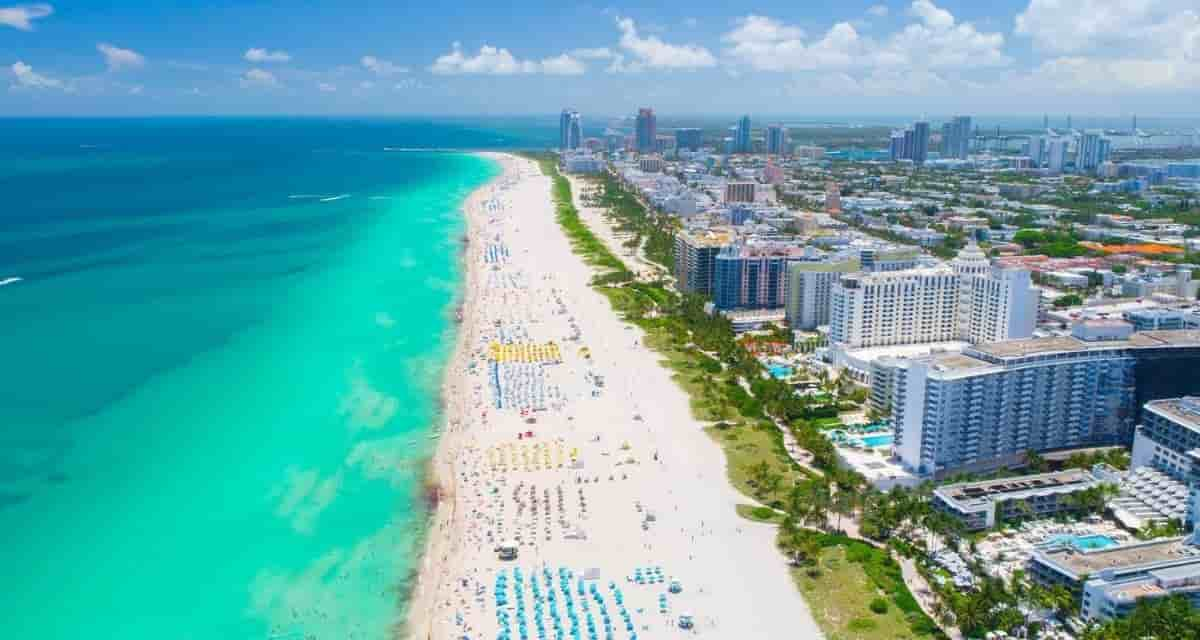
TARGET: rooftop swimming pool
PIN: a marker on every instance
(1083, 543)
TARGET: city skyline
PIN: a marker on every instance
(1016, 57)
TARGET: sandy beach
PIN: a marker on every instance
(565, 438)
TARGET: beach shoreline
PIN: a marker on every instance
(438, 486)
(566, 438)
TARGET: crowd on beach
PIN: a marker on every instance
(564, 513)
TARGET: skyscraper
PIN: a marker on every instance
(956, 137)
(1056, 154)
(741, 137)
(688, 138)
(647, 130)
(910, 144)
(1037, 151)
(777, 141)
(1092, 152)
(896, 150)
(570, 130)
(920, 150)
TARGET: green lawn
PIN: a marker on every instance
(839, 598)
(746, 445)
(759, 514)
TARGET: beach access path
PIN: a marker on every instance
(644, 485)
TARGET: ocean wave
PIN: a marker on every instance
(306, 196)
(380, 198)
(335, 198)
(10, 281)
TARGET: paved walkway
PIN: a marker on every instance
(924, 594)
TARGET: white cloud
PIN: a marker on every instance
(1111, 45)
(936, 41)
(877, 10)
(22, 16)
(598, 53)
(381, 67)
(563, 65)
(119, 59)
(499, 61)
(366, 84)
(259, 78)
(932, 15)
(650, 52)
(27, 78)
(325, 87)
(1100, 76)
(263, 55)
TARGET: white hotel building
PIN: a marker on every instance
(970, 301)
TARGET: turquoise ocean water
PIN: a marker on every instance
(220, 369)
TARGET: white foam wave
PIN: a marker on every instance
(379, 198)
(335, 198)
(10, 281)
(305, 196)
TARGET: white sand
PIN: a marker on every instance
(734, 581)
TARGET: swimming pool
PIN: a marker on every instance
(878, 441)
(1083, 543)
(779, 371)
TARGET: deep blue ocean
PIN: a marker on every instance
(222, 343)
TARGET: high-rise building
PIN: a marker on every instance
(696, 259)
(1037, 151)
(751, 278)
(920, 151)
(970, 301)
(570, 130)
(741, 136)
(688, 139)
(911, 143)
(1169, 429)
(647, 130)
(1092, 151)
(1056, 154)
(809, 286)
(896, 147)
(956, 138)
(986, 407)
(777, 139)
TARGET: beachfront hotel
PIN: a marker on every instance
(753, 275)
(810, 284)
(696, 258)
(1111, 581)
(986, 407)
(970, 300)
(982, 505)
(1168, 432)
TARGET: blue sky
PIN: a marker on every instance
(1097, 57)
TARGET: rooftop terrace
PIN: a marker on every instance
(1124, 557)
(983, 492)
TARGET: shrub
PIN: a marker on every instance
(862, 624)
(879, 605)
